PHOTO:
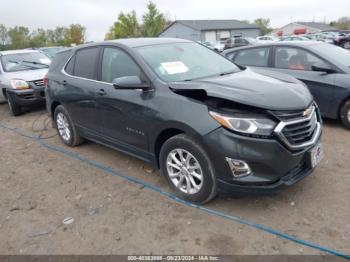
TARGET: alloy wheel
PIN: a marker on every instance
(184, 171)
(63, 126)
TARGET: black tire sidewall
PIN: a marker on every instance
(60, 109)
(344, 114)
(15, 109)
(208, 190)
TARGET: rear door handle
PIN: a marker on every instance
(101, 92)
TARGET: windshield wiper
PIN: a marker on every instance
(227, 73)
(35, 63)
(20, 63)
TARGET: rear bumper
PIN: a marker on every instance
(27, 97)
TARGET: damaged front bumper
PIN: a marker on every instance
(273, 166)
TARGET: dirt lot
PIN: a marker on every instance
(41, 187)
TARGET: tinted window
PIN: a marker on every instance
(116, 63)
(253, 57)
(85, 63)
(295, 58)
(70, 66)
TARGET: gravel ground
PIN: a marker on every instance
(39, 188)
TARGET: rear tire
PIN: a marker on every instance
(345, 114)
(15, 109)
(194, 178)
(65, 127)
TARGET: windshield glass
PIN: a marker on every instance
(185, 61)
(341, 55)
(24, 61)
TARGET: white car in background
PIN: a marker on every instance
(22, 74)
(266, 39)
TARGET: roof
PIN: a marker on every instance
(215, 24)
(281, 43)
(320, 26)
(20, 51)
(145, 41)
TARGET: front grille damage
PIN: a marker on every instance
(298, 129)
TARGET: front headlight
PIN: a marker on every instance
(255, 125)
(19, 84)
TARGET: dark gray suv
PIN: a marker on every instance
(209, 125)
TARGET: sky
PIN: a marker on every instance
(98, 15)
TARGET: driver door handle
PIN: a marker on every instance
(101, 92)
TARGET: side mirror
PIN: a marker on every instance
(129, 83)
(322, 67)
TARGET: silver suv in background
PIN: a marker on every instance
(22, 81)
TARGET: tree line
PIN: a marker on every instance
(20, 37)
(153, 22)
(127, 25)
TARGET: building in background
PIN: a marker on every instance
(210, 30)
(296, 28)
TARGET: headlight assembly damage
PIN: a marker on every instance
(246, 124)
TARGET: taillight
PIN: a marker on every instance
(46, 80)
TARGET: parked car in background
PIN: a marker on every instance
(294, 38)
(51, 51)
(266, 39)
(324, 68)
(188, 110)
(343, 41)
(22, 75)
(239, 41)
(324, 37)
(216, 47)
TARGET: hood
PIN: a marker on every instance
(267, 90)
(27, 75)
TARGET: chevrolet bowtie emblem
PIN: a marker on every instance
(307, 112)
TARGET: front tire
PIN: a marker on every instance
(346, 45)
(65, 127)
(188, 169)
(345, 114)
(15, 109)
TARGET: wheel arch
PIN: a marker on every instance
(347, 98)
(54, 104)
(169, 132)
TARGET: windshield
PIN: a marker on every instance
(185, 61)
(24, 61)
(336, 53)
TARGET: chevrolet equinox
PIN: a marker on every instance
(209, 125)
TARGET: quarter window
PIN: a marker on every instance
(116, 63)
(85, 63)
(253, 57)
(70, 66)
(295, 59)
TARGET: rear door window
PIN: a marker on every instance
(253, 57)
(85, 63)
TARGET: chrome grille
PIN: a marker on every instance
(298, 130)
(39, 82)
